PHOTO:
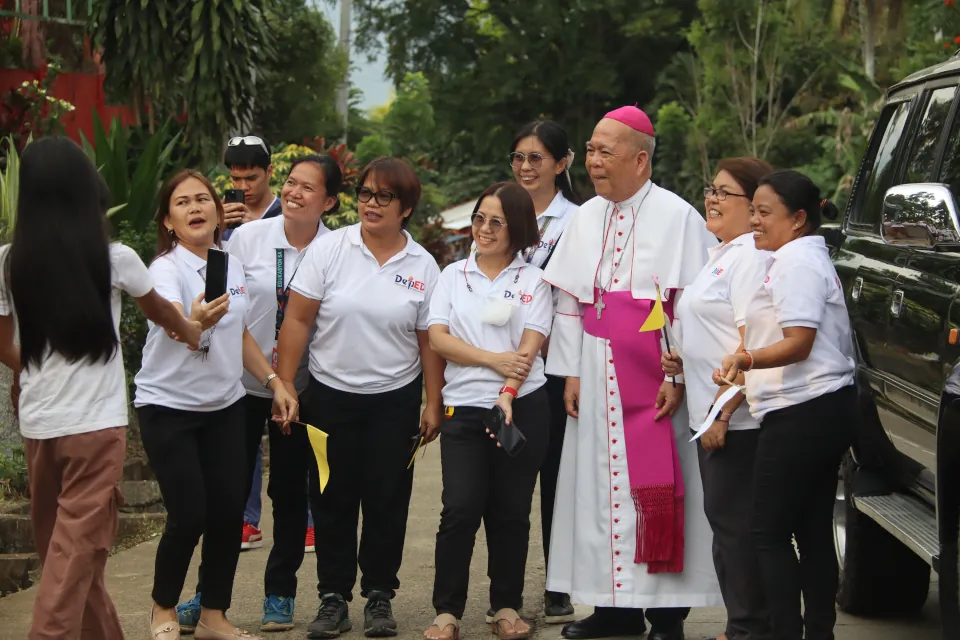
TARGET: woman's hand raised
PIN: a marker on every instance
(209, 313)
(510, 364)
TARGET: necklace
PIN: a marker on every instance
(470, 289)
(599, 304)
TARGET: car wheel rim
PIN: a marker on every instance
(840, 524)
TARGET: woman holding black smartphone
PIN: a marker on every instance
(488, 318)
(191, 410)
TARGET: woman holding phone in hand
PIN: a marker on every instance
(191, 411)
(488, 319)
(73, 403)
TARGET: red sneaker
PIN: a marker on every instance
(309, 545)
(252, 537)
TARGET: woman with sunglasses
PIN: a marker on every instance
(365, 290)
(488, 319)
(711, 313)
(540, 159)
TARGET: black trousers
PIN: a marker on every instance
(727, 476)
(481, 482)
(368, 447)
(795, 482)
(550, 470)
(198, 459)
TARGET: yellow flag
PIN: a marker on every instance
(318, 442)
(656, 320)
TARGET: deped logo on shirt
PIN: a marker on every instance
(544, 245)
(718, 271)
(410, 283)
(238, 291)
(525, 298)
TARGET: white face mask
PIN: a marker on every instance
(497, 312)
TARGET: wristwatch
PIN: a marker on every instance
(266, 383)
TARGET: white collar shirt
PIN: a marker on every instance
(454, 305)
(256, 244)
(172, 376)
(551, 223)
(710, 312)
(366, 340)
(801, 289)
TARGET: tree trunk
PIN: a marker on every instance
(866, 12)
(32, 35)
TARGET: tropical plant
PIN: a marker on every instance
(9, 189)
(31, 110)
(199, 58)
(134, 182)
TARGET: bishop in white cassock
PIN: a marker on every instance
(629, 530)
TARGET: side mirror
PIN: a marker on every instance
(921, 215)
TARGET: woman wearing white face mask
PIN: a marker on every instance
(488, 319)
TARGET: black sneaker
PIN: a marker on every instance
(333, 618)
(557, 608)
(378, 619)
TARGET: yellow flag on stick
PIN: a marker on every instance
(656, 320)
(318, 442)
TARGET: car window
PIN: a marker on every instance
(950, 169)
(881, 165)
(921, 164)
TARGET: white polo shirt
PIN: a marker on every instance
(551, 223)
(801, 289)
(62, 398)
(173, 376)
(454, 305)
(256, 244)
(366, 340)
(710, 311)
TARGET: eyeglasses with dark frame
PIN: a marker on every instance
(478, 220)
(535, 159)
(721, 193)
(383, 197)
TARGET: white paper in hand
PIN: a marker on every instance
(726, 397)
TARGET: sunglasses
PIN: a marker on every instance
(478, 220)
(383, 197)
(535, 159)
(252, 141)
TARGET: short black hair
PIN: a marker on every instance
(246, 155)
(798, 192)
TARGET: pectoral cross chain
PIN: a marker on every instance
(599, 306)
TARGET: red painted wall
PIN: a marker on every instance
(84, 91)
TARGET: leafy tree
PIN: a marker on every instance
(199, 58)
(295, 98)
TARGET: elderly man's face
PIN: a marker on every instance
(615, 162)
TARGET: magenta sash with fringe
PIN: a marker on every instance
(653, 462)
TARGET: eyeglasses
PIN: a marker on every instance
(253, 141)
(383, 197)
(478, 220)
(535, 159)
(721, 194)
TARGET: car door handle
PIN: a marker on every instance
(857, 287)
(896, 305)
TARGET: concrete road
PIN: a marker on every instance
(129, 578)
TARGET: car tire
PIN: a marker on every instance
(879, 575)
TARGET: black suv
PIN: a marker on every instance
(898, 255)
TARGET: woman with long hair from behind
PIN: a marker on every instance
(73, 403)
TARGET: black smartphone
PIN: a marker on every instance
(216, 274)
(233, 195)
(509, 436)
